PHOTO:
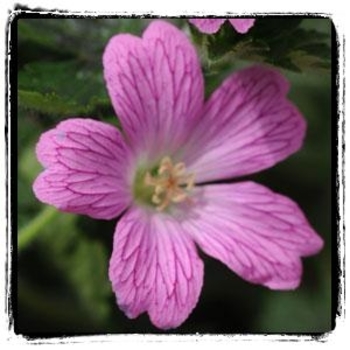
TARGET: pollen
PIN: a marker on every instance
(171, 183)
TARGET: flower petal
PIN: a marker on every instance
(87, 167)
(242, 25)
(248, 125)
(207, 25)
(258, 234)
(155, 268)
(156, 87)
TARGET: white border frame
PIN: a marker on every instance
(338, 13)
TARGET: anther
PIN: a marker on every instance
(171, 184)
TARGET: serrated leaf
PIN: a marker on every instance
(277, 41)
(61, 88)
(48, 103)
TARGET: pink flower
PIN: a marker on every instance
(212, 25)
(156, 171)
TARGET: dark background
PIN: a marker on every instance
(61, 284)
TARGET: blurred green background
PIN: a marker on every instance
(63, 286)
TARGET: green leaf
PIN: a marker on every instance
(278, 41)
(61, 88)
(48, 103)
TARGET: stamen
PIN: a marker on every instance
(171, 184)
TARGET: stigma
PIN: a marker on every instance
(171, 183)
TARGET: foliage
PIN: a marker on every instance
(46, 87)
(279, 41)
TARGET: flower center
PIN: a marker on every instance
(170, 182)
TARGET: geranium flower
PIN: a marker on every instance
(212, 25)
(157, 172)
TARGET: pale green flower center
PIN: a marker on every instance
(166, 184)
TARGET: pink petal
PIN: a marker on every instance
(248, 125)
(87, 169)
(156, 87)
(257, 233)
(207, 25)
(242, 25)
(155, 268)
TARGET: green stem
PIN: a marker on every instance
(28, 233)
